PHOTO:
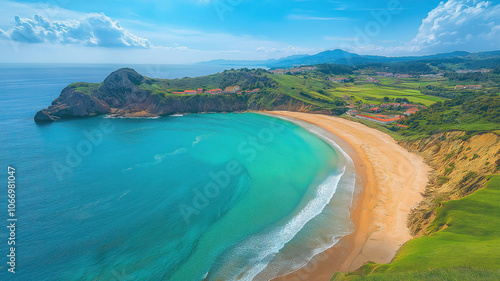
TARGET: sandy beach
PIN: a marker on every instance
(392, 180)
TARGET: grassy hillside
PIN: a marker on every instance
(455, 274)
(245, 78)
(464, 244)
(310, 89)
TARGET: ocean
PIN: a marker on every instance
(194, 197)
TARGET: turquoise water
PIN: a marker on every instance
(204, 196)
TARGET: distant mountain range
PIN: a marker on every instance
(342, 57)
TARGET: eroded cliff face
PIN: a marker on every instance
(72, 104)
(460, 165)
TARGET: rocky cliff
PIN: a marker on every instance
(460, 165)
(121, 95)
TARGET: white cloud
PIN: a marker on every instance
(465, 25)
(95, 30)
(469, 24)
(44, 8)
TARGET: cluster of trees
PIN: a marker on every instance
(475, 76)
(412, 68)
(491, 77)
(440, 91)
(486, 108)
(397, 100)
(450, 64)
(334, 69)
(428, 66)
(492, 62)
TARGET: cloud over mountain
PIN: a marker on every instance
(94, 30)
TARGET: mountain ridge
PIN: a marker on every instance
(339, 56)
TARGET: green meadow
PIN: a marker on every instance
(311, 89)
(321, 89)
(373, 93)
(463, 244)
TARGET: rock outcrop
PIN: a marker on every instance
(72, 104)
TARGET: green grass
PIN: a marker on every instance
(308, 88)
(85, 88)
(465, 234)
(373, 93)
(324, 91)
(450, 274)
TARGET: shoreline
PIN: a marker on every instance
(391, 179)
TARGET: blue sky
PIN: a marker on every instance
(186, 31)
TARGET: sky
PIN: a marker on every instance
(189, 31)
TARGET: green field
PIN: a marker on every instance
(464, 244)
(366, 92)
(314, 89)
(86, 88)
(412, 83)
(373, 93)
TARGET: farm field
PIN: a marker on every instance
(368, 93)
(372, 93)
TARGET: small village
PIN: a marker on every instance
(471, 87)
(227, 90)
(372, 112)
(293, 70)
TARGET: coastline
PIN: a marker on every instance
(392, 181)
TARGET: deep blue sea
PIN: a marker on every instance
(194, 197)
